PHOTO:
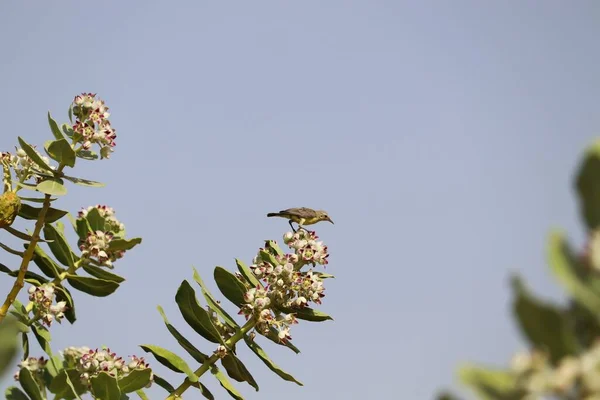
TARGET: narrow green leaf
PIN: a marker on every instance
(21, 235)
(43, 337)
(307, 314)
(59, 246)
(204, 390)
(102, 273)
(35, 199)
(30, 276)
(230, 286)
(61, 151)
(135, 380)
(214, 304)
(105, 387)
(272, 366)
(268, 257)
(54, 127)
(29, 385)
(186, 344)
(123, 244)
(163, 384)
(170, 360)
(27, 186)
(11, 251)
(194, 315)
(45, 263)
(81, 181)
(141, 394)
(63, 294)
(274, 337)
(323, 275)
(237, 370)
(53, 187)
(272, 245)
(34, 155)
(25, 345)
(93, 286)
(87, 154)
(247, 273)
(226, 384)
(32, 213)
(14, 393)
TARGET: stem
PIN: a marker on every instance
(212, 359)
(27, 256)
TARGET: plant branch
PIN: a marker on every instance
(212, 359)
(27, 256)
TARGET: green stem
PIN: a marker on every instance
(212, 359)
(27, 256)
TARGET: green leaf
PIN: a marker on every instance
(54, 128)
(204, 390)
(268, 257)
(247, 273)
(588, 186)
(183, 342)
(237, 370)
(136, 380)
(105, 387)
(141, 394)
(272, 245)
(163, 384)
(33, 213)
(11, 251)
(63, 294)
(95, 220)
(59, 246)
(29, 385)
(87, 154)
(35, 199)
(564, 267)
(213, 304)
(53, 187)
(9, 345)
(323, 275)
(30, 277)
(14, 393)
(60, 150)
(170, 360)
(102, 273)
(274, 337)
(123, 244)
(230, 286)
(226, 384)
(93, 286)
(490, 384)
(54, 365)
(81, 181)
(272, 366)
(307, 314)
(45, 263)
(545, 326)
(25, 345)
(43, 337)
(59, 386)
(194, 315)
(34, 155)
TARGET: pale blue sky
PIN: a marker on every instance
(440, 136)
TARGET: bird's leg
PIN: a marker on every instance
(290, 221)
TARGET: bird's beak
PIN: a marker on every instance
(329, 219)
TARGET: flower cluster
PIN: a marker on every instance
(537, 378)
(96, 245)
(92, 125)
(23, 166)
(90, 363)
(287, 287)
(34, 365)
(42, 297)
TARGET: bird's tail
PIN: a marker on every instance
(273, 214)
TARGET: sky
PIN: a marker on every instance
(441, 137)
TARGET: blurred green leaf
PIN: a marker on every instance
(214, 304)
(43, 337)
(63, 294)
(545, 326)
(588, 186)
(170, 360)
(105, 387)
(490, 384)
(124, 244)
(60, 150)
(53, 187)
(9, 345)
(163, 384)
(81, 181)
(34, 155)
(230, 286)
(237, 370)
(59, 246)
(247, 273)
(102, 273)
(29, 385)
(137, 379)
(95, 287)
(194, 315)
(562, 266)
(54, 127)
(307, 314)
(186, 344)
(265, 359)
(14, 393)
(32, 213)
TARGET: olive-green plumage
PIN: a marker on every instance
(302, 216)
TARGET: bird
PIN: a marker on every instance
(302, 216)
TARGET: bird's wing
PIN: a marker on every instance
(301, 212)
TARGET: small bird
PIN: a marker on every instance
(302, 216)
